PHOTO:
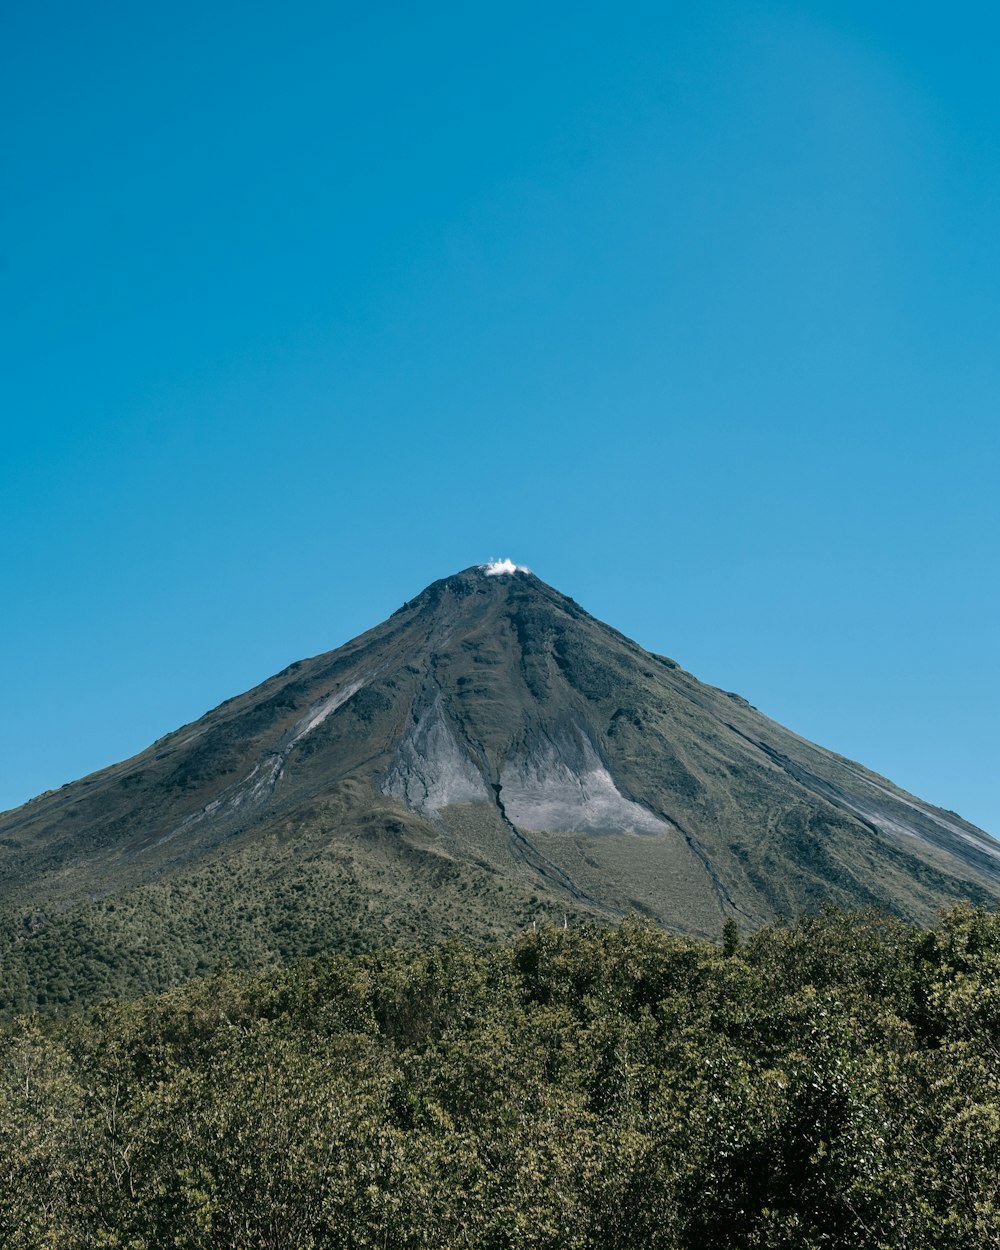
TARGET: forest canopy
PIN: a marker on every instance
(832, 1082)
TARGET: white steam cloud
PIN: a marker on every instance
(496, 567)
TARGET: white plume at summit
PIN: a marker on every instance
(495, 567)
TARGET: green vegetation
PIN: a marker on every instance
(264, 903)
(835, 1082)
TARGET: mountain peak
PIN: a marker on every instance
(480, 585)
(493, 735)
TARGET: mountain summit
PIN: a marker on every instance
(489, 753)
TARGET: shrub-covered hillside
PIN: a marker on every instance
(832, 1083)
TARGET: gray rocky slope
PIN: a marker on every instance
(492, 722)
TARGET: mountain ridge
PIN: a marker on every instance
(492, 734)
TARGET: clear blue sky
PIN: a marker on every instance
(692, 308)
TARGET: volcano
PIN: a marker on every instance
(488, 755)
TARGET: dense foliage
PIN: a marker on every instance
(263, 904)
(835, 1082)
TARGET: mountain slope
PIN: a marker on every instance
(492, 751)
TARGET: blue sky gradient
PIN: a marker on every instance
(690, 308)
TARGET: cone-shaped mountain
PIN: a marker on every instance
(488, 751)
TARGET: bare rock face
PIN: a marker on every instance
(430, 771)
(562, 786)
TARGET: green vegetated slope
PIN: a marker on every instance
(259, 905)
(831, 1083)
(489, 755)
